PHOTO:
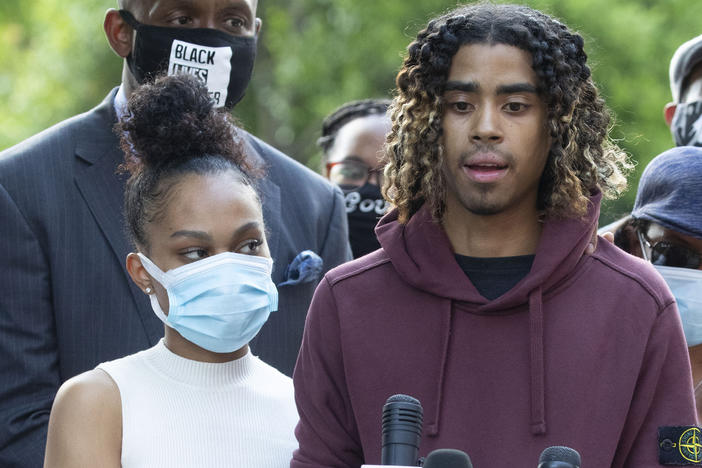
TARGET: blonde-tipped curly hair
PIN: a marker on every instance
(582, 158)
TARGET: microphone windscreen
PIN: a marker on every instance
(560, 454)
(447, 458)
(403, 412)
(401, 397)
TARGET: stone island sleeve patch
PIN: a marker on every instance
(679, 446)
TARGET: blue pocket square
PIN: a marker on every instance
(305, 267)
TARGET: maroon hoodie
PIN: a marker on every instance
(585, 351)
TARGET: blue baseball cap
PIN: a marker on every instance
(670, 191)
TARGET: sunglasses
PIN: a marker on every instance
(666, 253)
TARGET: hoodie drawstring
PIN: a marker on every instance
(536, 362)
(433, 426)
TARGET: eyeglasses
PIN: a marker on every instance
(666, 253)
(350, 172)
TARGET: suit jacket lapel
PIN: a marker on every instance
(102, 188)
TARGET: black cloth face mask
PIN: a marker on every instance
(364, 207)
(687, 124)
(224, 62)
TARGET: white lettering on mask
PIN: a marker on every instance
(210, 64)
(366, 205)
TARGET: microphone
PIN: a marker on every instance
(559, 457)
(402, 429)
(447, 458)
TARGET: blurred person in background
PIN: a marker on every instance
(667, 225)
(352, 141)
(684, 114)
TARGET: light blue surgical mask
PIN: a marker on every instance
(686, 285)
(220, 302)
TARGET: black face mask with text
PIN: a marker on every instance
(222, 61)
(686, 126)
(364, 207)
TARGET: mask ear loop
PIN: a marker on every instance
(160, 276)
(129, 18)
(153, 270)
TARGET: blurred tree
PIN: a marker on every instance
(315, 55)
(56, 63)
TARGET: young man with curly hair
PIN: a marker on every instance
(484, 301)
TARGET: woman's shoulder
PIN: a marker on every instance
(270, 381)
(263, 370)
(86, 419)
(89, 399)
(89, 387)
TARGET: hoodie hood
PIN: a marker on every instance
(422, 255)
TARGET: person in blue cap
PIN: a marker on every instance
(667, 231)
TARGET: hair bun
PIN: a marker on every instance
(171, 119)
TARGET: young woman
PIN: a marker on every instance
(199, 397)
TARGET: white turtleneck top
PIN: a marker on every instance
(182, 413)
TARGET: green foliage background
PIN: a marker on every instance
(317, 54)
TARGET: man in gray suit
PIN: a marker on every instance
(67, 303)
